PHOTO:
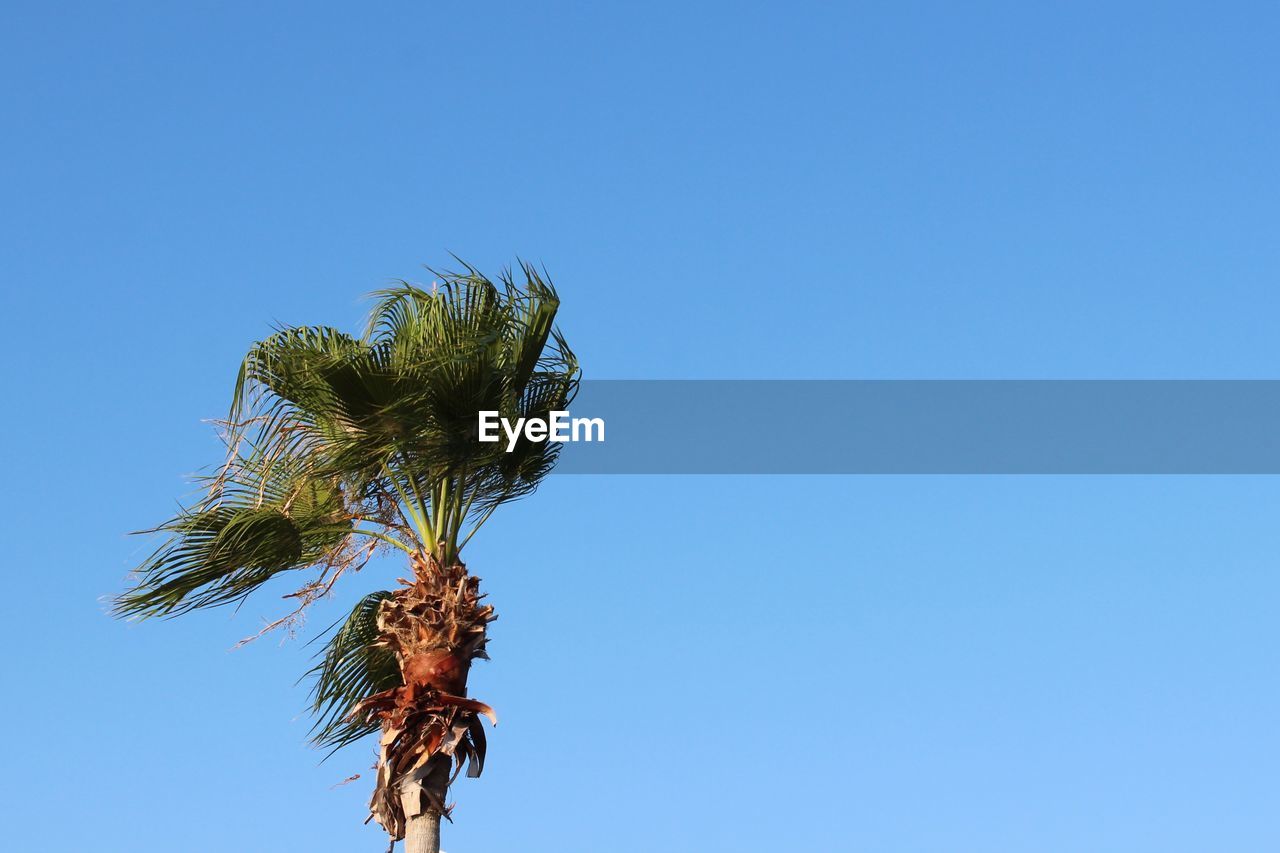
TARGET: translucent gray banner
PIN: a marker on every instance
(928, 427)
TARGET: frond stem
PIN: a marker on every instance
(420, 523)
(390, 540)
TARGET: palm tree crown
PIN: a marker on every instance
(342, 446)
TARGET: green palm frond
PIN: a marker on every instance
(261, 522)
(396, 409)
(317, 394)
(352, 666)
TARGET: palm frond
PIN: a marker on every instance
(259, 520)
(352, 666)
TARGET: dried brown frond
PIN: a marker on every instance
(436, 626)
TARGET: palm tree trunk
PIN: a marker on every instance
(436, 626)
(419, 800)
(422, 833)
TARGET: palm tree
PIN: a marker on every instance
(340, 447)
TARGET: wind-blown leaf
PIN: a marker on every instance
(353, 666)
(396, 410)
(220, 550)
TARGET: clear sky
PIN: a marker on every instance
(927, 190)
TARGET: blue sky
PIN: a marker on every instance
(1004, 190)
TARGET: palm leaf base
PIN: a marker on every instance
(436, 627)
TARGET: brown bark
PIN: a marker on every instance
(436, 626)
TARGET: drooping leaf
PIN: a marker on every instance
(258, 524)
(353, 665)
